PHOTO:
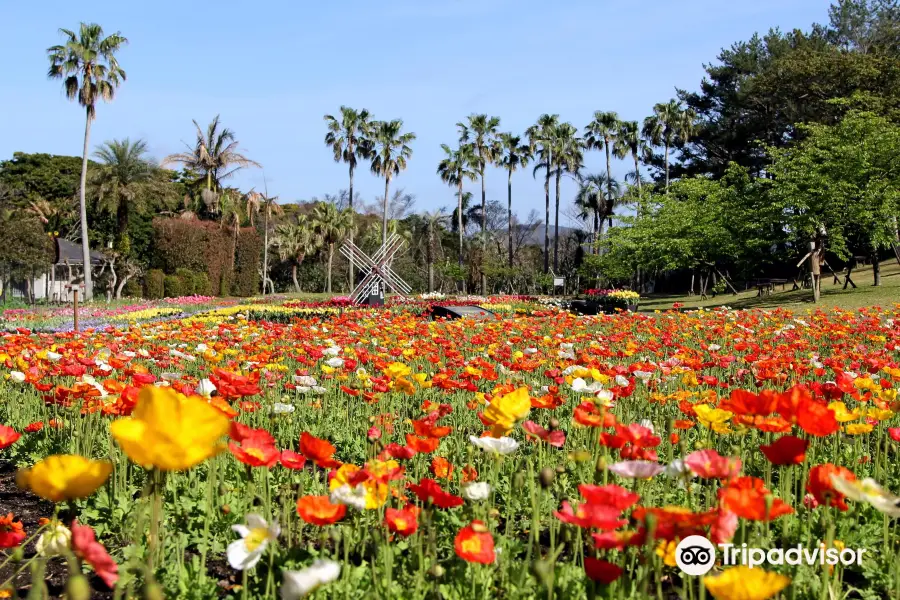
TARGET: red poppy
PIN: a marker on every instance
(404, 521)
(616, 540)
(428, 490)
(821, 487)
(11, 532)
(88, 549)
(786, 450)
(292, 460)
(469, 474)
(256, 449)
(709, 464)
(422, 445)
(601, 571)
(441, 467)
(318, 510)
(8, 436)
(474, 543)
(427, 427)
(590, 516)
(554, 438)
(894, 432)
(747, 498)
(723, 528)
(747, 403)
(34, 427)
(318, 450)
(394, 450)
(609, 495)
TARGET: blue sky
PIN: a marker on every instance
(272, 69)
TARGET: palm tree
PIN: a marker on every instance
(330, 226)
(566, 156)
(593, 200)
(454, 169)
(269, 206)
(432, 222)
(87, 64)
(124, 171)
(213, 153)
(513, 155)
(628, 140)
(349, 140)
(295, 242)
(669, 122)
(390, 153)
(599, 134)
(541, 134)
(480, 132)
(231, 216)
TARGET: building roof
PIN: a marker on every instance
(70, 252)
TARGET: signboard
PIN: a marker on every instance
(559, 282)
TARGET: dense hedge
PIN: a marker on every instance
(218, 263)
(154, 284)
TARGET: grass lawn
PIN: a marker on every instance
(833, 295)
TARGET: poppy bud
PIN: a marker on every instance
(546, 477)
(18, 554)
(436, 571)
(601, 464)
(543, 571)
(153, 591)
(518, 481)
(553, 425)
(494, 513)
(77, 587)
(561, 469)
(226, 509)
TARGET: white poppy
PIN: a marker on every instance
(205, 388)
(305, 380)
(350, 496)
(279, 408)
(621, 381)
(181, 355)
(335, 362)
(870, 491)
(714, 347)
(255, 537)
(170, 376)
(202, 347)
(129, 354)
(54, 541)
(297, 584)
(648, 424)
(605, 397)
(332, 351)
(530, 350)
(502, 445)
(53, 356)
(17, 376)
(318, 389)
(477, 490)
(643, 375)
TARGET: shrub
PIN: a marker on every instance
(247, 263)
(132, 289)
(188, 279)
(201, 284)
(174, 286)
(154, 284)
(200, 246)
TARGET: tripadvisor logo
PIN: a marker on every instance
(696, 555)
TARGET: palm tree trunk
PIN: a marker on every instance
(353, 214)
(430, 255)
(85, 243)
(459, 219)
(483, 236)
(556, 226)
(597, 227)
(330, 257)
(387, 183)
(609, 192)
(667, 165)
(266, 247)
(294, 276)
(637, 171)
(547, 219)
(209, 180)
(509, 215)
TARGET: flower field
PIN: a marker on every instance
(282, 450)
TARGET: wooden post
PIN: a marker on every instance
(75, 308)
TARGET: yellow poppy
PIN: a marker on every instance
(713, 418)
(64, 477)
(744, 583)
(858, 428)
(666, 551)
(396, 370)
(504, 412)
(842, 414)
(170, 431)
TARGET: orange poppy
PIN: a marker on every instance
(318, 510)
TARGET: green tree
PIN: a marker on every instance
(480, 132)
(330, 226)
(295, 242)
(566, 155)
(121, 180)
(541, 137)
(348, 138)
(433, 224)
(90, 71)
(390, 153)
(513, 155)
(454, 169)
(594, 200)
(670, 123)
(600, 134)
(628, 140)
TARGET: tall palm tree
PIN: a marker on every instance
(669, 122)
(454, 169)
(87, 64)
(628, 140)
(295, 242)
(513, 155)
(213, 153)
(330, 226)
(480, 132)
(599, 134)
(349, 140)
(593, 200)
(566, 155)
(390, 153)
(231, 214)
(124, 171)
(269, 206)
(540, 136)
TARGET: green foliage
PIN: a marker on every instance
(175, 286)
(154, 284)
(247, 261)
(25, 249)
(201, 246)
